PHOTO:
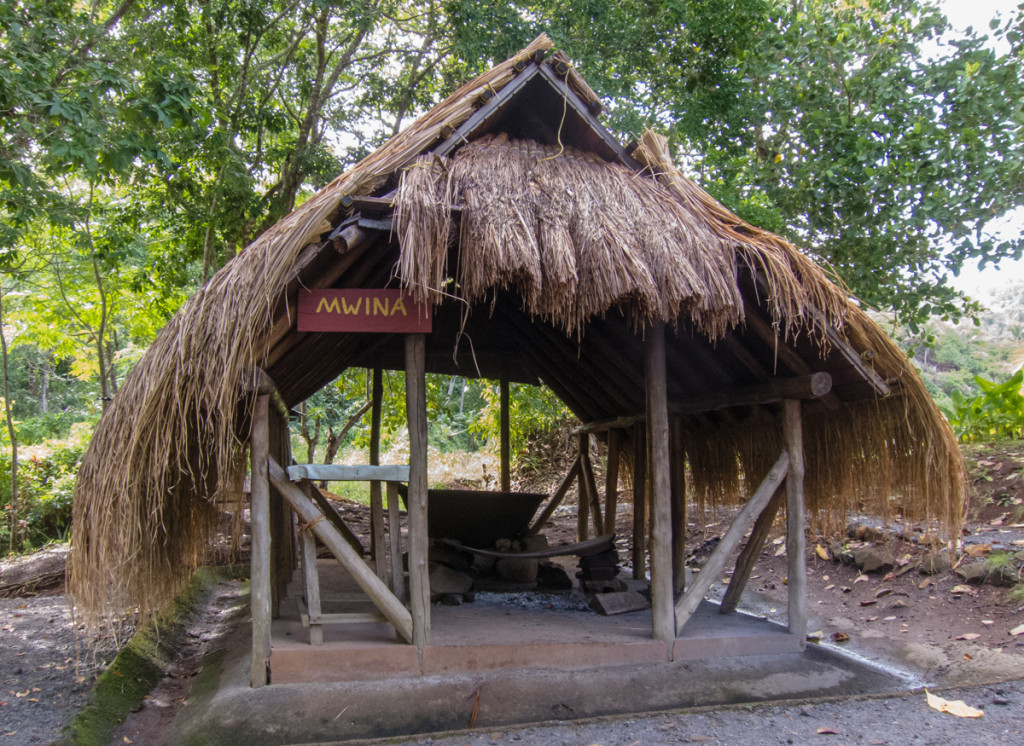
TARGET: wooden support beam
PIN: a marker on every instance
(639, 558)
(557, 498)
(395, 542)
(589, 483)
(656, 384)
(311, 584)
(796, 541)
(371, 585)
(506, 449)
(260, 559)
(677, 455)
(416, 410)
(377, 546)
(785, 354)
(811, 386)
(712, 570)
(748, 556)
(611, 480)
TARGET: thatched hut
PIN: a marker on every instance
(546, 252)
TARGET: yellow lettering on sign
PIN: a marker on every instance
(399, 304)
(328, 306)
(380, 305)
(351, 309)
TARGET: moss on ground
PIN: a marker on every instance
(140, 664)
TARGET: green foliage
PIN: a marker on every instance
(533, 411)
(46, 483)
(997, 412)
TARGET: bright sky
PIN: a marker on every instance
(978, 13)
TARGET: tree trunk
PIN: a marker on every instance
(13, 543)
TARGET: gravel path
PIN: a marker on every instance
(896, 720)
(45, 674)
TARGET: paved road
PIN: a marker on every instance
(876, 721)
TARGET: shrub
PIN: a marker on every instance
(997, 412)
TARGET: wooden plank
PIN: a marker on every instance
(259, 506)
(712, 570)
(748, 556)
(505, 436)
(677, 454)
(350, 617)
(656, 386)
(395, 542)
(611, 480)
(557, 498)
(639, 558)
(796, 541)
(371, 585)
(488, 110)
(416, 410)
(311, 584)
(349, 473)
(589, 483)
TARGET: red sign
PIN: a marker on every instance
(391, 311)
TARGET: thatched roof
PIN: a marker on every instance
(547, 248)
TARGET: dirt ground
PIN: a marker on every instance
(945, 631)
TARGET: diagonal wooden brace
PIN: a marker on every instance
(373, 586)
(712, 571)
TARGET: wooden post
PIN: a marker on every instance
(395, 542)
(588, 482)
(582, 496)
(416, 409)
(639, 558)
(748, 557)
(611, 480)
(311, 579)
(377, 548)
(282, 551)
(662, 604)
(677, 454)
(260, 561)
(713, 568)
(796, 543)
(506, 439)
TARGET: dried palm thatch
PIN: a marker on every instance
(575, 236)
(143, 501)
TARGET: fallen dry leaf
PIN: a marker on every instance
(869, 602)
(925, 583)
(840, 637)
(862, 578)
(781, 551)
(959, 590)
(821, 552)
(969, 636)
(954, 707)
(827, 732)
(1017, 630)
(976, 550)
(884, 592)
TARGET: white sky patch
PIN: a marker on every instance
(980, 284)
